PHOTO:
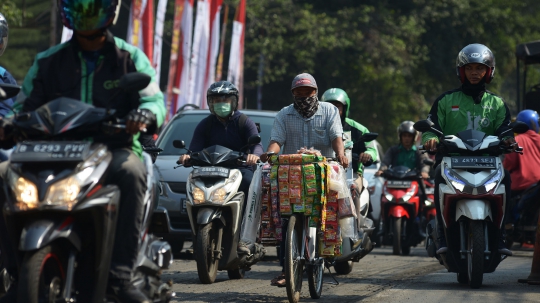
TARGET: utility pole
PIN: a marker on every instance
(53, 23)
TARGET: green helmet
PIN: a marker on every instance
(336, 94)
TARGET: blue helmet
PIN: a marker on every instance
(529, 117)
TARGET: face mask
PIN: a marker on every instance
(222, 109)
(306, 106)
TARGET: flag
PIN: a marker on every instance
(158, 38)
(141, 26)
(219, 68)
(181, 46)
(236, 57)
(199, 53)
(213, 51)
(148, 29)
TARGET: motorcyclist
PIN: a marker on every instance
(341, 100)
(88, 68)
(305, 123)
(524, 168)
(407, 154)
(470, 106)
(228, 127)
(5, 76)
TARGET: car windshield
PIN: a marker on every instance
(183, 128)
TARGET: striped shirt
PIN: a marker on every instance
(292, 131)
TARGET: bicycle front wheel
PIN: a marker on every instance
(315, 269)
(293, 259)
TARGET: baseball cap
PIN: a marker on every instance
(303, 79)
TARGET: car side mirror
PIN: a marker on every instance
(180, 144)
(253, 140)
(134, 81)
(8, 91)
(519, 127)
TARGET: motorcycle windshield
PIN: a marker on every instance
(471, 138)
(60, 116)
(401, 172)
(217, 154)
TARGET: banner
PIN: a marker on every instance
(236, 57)
(201, 38)
(158, 38)
(177, 87)
(141, 26)
(213, 51)
(148, 29)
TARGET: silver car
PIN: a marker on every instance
(170, 219)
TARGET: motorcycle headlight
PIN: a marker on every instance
(409, 193)
(388, 195)
(25, 192)
(456, 182)
(219, 195)
(198, 195)
(427, 202)
(493, 181)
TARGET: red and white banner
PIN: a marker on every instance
(236, 57)
(158, 38)
(141, 26)
(213, 51)
(199, 53)
(177, 88)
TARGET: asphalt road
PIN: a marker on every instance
(379, 277)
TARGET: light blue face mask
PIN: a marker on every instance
(222, 109)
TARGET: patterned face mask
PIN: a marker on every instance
(306, 106)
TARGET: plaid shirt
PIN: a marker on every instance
(292, 131)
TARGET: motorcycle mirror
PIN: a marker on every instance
(428, 162)
(423, 125)
(180, 144)
(253, 140)
(519, 127)
(134, 81)
(8, 91)
(368, 137)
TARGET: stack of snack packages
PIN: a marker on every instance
(331, 240)
(270, 218)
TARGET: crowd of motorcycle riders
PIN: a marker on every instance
(105, 57)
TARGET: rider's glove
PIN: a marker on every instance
(144, 116)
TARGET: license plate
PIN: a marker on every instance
(39, 151)
(183, 203)
(398, 184)
(219, 172)
(473, 162)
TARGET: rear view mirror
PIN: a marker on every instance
(423, 126)
(253, 140)
(519, 127)
(8, 91)
(180, 144)
(368, 137)
(428, 162)
(134, 81)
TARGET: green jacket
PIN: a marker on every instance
(61, 71)
(454, 111)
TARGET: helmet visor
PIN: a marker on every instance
(3, 44)
(221, 99)
(84, 15)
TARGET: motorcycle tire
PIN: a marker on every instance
(235, 274)
(42, 276)
(343, 268)
(294, 264)
(475, 257)
(208, 241)
(315, 273)
(396, 237)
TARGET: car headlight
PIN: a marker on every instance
(456, 182)
(198, 195)
(493, 181)
(25, 192)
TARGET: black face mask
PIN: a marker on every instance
(306, 106)
(476, 91)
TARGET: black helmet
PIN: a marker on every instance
(406, 127)
(4, 31)
(475, 53)
(222, 88)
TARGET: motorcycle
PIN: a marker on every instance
(472, 200)
(61, 212)
(400, 204)
(429, 212)
(524, 217)
(359, 243)
(214, 206)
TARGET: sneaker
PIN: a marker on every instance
(128, 293)
(443, 248)
(245, 247)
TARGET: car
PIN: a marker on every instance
(170, 219)
(375, 185)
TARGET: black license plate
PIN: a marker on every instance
(40, 151)
(183, 205)
(398, 184)
(219, 172)
(473, 162)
